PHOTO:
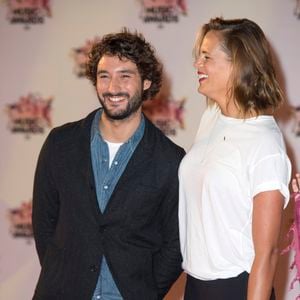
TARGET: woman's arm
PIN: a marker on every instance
(266, 223)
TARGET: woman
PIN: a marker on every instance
(234, 180)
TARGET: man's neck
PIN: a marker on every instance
(119, 131)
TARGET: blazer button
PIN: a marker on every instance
(93, 268)
(60, 293)
(102, 229)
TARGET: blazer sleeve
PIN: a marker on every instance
(45, 206)
(167, 262)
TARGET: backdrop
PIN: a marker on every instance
(42, 55)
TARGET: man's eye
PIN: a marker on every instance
(125, 76)
(103, 76)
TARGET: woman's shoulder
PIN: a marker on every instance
(268, 143)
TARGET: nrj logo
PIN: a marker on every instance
(81, 56)
(163, 11)
(28, 12)
(20, 220)
(30, 115)
(167, 114)
(297, 9)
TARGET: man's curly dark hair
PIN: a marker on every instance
(134, 47)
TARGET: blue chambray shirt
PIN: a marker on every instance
(106, 179)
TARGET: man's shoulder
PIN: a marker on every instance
(163, 143)
(74, 128)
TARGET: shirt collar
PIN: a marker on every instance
(134, 139)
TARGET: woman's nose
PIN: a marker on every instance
(198, 63)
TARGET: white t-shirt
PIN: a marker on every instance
(230, 162)
(113, 149)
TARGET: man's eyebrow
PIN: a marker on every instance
(120, 71)
(128, 71)
(101, 72)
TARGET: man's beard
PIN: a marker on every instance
(133, 104)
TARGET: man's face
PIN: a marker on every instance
(119, 87)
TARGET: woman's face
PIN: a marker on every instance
(214, 69)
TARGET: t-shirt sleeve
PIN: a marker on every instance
(272, 172)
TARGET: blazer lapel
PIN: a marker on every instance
(85, 163)
(140, 159)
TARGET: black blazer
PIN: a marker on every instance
(137, 233)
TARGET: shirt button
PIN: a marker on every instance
(98, 297)
(105, 187)
(115, 162)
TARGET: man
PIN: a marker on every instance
(105, 195)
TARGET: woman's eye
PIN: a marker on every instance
(203, 57)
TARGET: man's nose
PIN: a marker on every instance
(114, 86)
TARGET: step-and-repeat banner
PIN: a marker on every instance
(43, 51)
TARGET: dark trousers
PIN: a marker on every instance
(220, 289)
